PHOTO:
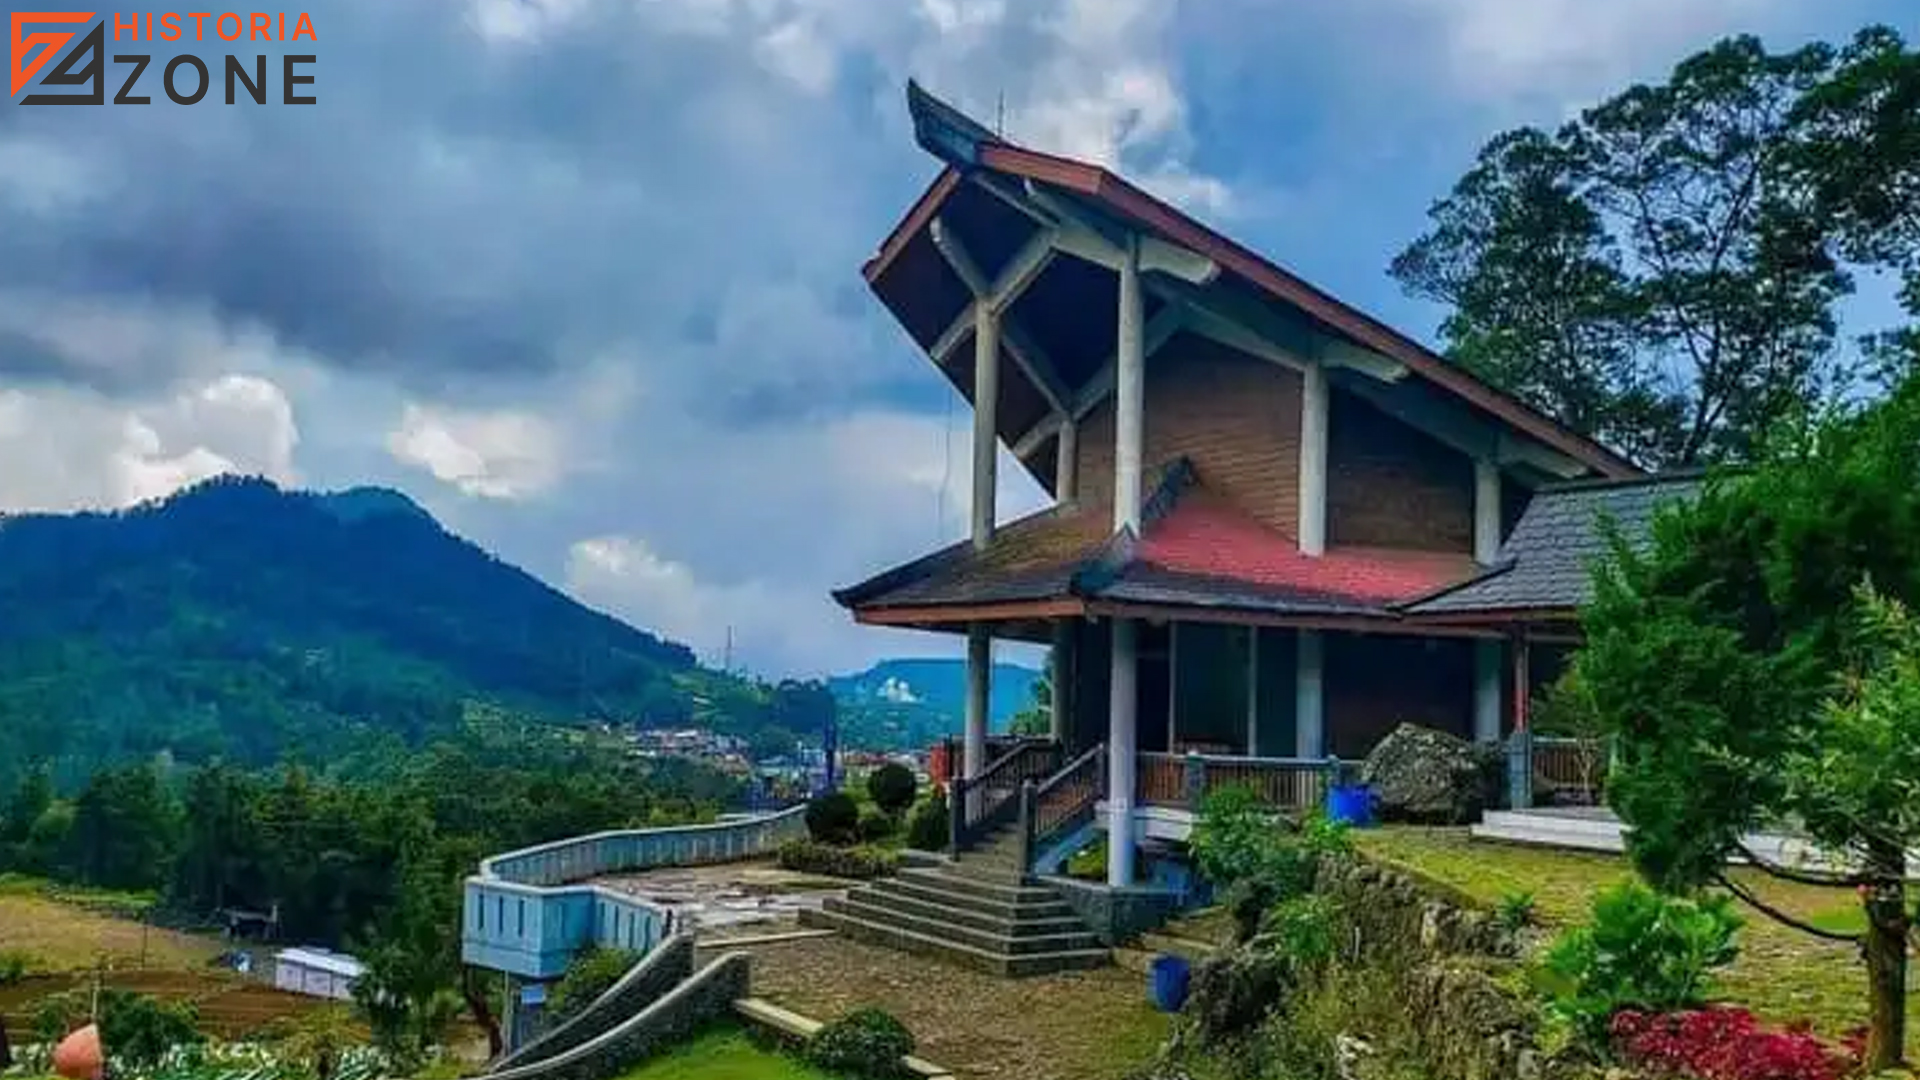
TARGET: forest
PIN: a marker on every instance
(238, 622)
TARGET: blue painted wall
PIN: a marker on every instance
(528, 912)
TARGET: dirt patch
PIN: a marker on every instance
(60, 936)
(1093, 1025)
(230, 1007)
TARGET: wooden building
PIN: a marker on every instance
(1255, 486)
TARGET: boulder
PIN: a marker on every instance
(1420, 774)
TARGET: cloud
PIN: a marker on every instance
(493, 455)
(68, 449)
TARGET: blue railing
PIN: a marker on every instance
(528, 912)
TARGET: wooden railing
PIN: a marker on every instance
(1576, 767)
(1054, 807)
(1183, 780)
(990, 800)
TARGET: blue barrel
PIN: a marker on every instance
(1352, 804)
(1169, 987)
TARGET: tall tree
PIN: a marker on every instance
(1652, 274)
(1747, 679)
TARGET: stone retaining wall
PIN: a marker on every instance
(646, 982)
(708, 995)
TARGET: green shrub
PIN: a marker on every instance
(1256, 857)
(591, 974)
(834, 818)
(1642, 950)
(860, 863)
(892, 788)
(1304, 931)
(867, 1043)
(877, 825)
(1514, 912)
(928, 827)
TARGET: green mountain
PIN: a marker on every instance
(240, 621)
(913, 703)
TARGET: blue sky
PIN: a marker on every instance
(581, 276)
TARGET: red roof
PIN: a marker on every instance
(1204, 536)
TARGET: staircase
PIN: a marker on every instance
(977, 910)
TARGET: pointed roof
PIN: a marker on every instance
(968, 149)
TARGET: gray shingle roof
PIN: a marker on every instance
(1546, 563)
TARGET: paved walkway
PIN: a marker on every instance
(1093, 1025)
(731, 896)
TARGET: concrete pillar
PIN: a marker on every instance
(1520, 744)
(1486, 691)
(1063, 676)
(1129, 426)
(979, 683)
(1486, 512)
(1253, 691)
(1309, 699)
(986, 422)
(1123, 698)
(1313, 460)
(1066, 466)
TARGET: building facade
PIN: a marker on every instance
(1256, 488)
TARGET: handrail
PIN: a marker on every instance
(1183, 780)
(1044, 818)
(982, 803)
(1054, 781)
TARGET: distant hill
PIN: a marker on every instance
(911, 703)
(242, 621)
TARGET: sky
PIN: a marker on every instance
(582, 276)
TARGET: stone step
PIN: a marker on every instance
(956, 880)
(940, 948)
(1012, 925)
(875, 909)
(935, 892)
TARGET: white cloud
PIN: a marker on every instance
(70, 449)
(499, 454)
(1569, 51)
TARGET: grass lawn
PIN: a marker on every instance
(1782, 974)
(725, 1054)
(66, 930)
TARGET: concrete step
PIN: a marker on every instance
(1012, 925)
(875, 909)
(941, 948)
(934, 892)
(956, 880)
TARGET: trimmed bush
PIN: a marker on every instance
(1642, 951)
(877, 825)
(591, 974)
(859, 863)
(892, 788)
(867, 1043)
(834, 818)
(928, 828)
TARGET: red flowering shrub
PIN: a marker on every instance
(1726, 1044)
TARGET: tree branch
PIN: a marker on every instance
(1799, 877)
(1746, 896)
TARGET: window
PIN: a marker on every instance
(480, 912)
(520, 907)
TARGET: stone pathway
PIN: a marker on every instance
(1093, 1025)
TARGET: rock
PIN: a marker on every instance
(1348, 1053)
(1420, 774)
